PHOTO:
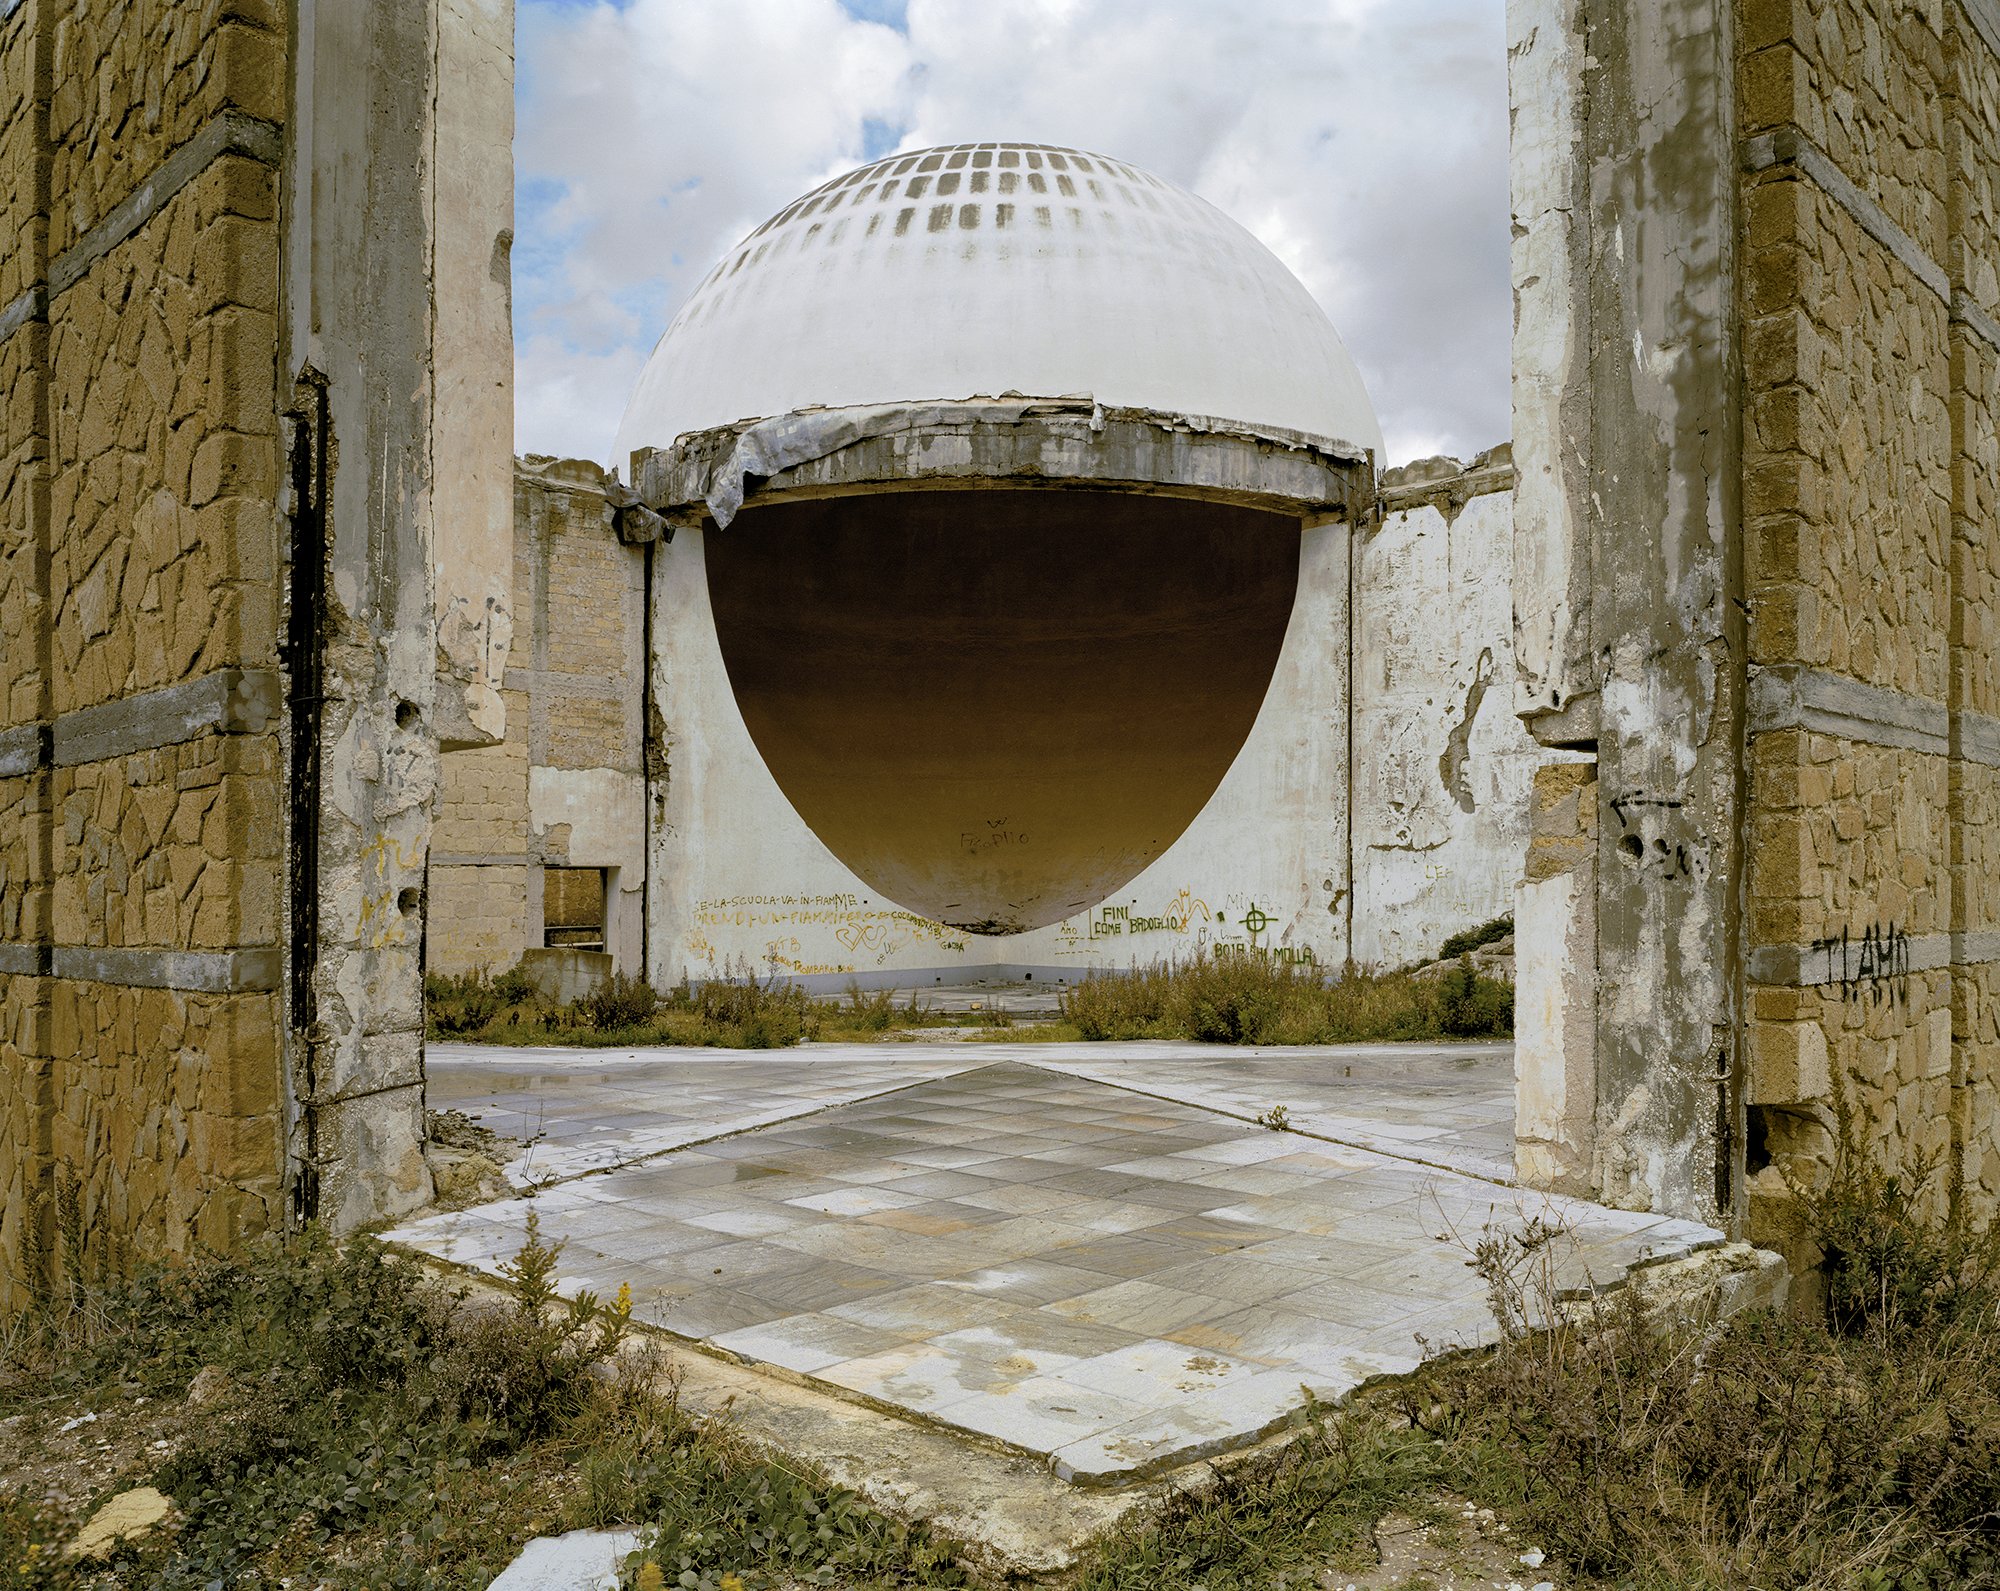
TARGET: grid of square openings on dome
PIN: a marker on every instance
(1000, 188)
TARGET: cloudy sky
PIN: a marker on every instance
(1365, 141)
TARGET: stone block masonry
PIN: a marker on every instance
(141, 836)
(566, 788)
(1796, 908)
(217, 648)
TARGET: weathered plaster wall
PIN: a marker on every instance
(566, 787)
(1626, 571)
(1442, 766)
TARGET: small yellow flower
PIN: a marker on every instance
(732, 1582)
(650, 1577)
(622, 1307)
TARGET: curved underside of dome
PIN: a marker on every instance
(975, 704)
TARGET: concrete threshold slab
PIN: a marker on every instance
(1017, 1518)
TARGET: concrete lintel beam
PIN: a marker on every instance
(707, 476)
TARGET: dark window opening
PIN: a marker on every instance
(573, 908)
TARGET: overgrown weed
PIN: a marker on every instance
(374, 1428)
(738, 1010)
(1857, 1446)
(1244, 999)
(1278, 1517)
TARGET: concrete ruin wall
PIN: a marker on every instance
(741, 881)
(215, 274)
(1759, 592)
(566, 787)
(1442, 766)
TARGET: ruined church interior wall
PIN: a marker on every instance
(1442, 766)
(741, 882)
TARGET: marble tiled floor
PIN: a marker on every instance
(1448, 1105)
(582, 1110)
(1444, 1105)
(1107, 1279)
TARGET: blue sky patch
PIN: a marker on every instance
(891, 13)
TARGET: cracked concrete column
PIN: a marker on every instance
(397, 346)
(472, 421)
(1629, 634)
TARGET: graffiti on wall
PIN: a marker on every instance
(859, 934)
(1875, 967)
(1188, 922)
(1186, 913)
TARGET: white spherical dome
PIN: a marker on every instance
(982, 269)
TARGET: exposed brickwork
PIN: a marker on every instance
(573, 708)
(1562, 819)
(479, 916)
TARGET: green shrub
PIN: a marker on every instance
(461, 1003)
(1472, 938)
(526, 1367)
(1245, 999)
(875, 1012)
(619, 1002)
(1471, 1006)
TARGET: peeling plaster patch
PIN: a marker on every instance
(601, 810)
(1457, 752)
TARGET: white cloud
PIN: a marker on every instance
(1363, 140)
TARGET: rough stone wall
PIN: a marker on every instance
(1856, 537)
(1972, 144)
(141, 756)
(217, 648)
(565, 789)
(1442, 767)
(1870, 541)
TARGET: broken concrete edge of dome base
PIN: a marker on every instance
(707, 476)
(1016, 1517)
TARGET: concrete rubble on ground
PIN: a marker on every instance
(582, 1560)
